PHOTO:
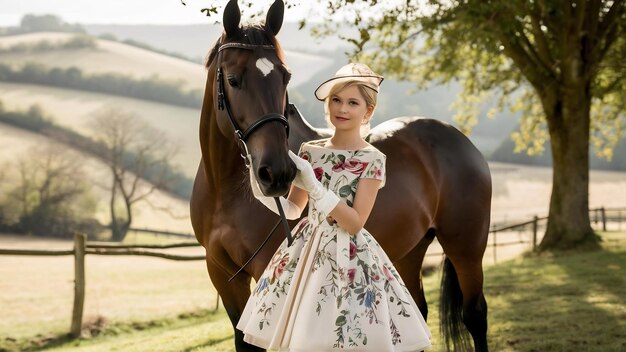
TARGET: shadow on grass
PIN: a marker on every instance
(37, 344)
(208, 343)
(571, 301)
(105, 330)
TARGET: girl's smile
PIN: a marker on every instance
(348, 109)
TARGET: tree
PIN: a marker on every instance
(563, 60)
(50, 196)
(132, 150)
(42, 23)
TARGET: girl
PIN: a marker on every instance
(334, 287)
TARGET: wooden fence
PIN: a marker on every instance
(600, 216)
(82, 248)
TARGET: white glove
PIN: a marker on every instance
(292, 211)
(325, 200)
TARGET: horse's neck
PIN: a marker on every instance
(223, 166)
(301, 130)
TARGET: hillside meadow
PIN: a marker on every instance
(76, 110)
(163, 211)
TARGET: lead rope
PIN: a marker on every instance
(282, 219)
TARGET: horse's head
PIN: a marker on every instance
(250, 95)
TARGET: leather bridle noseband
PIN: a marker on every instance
(242, 136)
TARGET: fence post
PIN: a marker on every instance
(79, 284)
(535, 226)
(603, 214)
(217, 303)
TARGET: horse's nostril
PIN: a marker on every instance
(265, 175)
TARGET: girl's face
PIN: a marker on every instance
(348, 109)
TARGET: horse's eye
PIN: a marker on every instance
(233, 81)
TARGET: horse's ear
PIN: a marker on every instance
(274, 19)
(232, 17)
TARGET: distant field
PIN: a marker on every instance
(520, 191)
(109, 57)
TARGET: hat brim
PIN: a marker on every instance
(369, 81)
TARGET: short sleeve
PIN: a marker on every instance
(376, 168)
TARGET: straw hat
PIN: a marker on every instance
(350, 72)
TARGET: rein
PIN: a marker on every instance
(242, 137)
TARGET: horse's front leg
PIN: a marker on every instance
(234, 296)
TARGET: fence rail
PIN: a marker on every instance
(82, 248)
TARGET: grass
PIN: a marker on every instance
(540, 302)
(574, 301)
(36, 293)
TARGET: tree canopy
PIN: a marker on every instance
(561, 63)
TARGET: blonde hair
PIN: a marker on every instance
(369, 95)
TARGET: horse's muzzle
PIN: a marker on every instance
(274, 180)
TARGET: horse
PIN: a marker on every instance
(438, 184)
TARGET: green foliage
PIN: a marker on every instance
(508, 152)
(47, 194)
(498, 49)
(152, 89)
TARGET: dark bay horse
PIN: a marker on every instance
(438, 184)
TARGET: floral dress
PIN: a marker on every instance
(329, 290)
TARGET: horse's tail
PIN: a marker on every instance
(453, 330)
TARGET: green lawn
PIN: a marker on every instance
(571, 302)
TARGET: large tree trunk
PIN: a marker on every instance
(568, 220)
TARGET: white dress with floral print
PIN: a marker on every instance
(329, 290)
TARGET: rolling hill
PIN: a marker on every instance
(76, 109)
(15, 143)
(109, 56)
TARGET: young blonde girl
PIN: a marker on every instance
(334, 288)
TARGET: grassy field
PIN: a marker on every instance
(575, 301)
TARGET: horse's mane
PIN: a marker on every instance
(254, 35)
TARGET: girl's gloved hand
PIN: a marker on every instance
(325, 200)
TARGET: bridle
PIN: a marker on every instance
(222, 103)
(242, 136)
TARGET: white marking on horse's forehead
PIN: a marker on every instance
(265, 66)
